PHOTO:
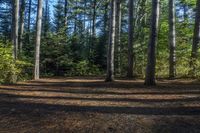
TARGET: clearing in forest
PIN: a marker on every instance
(93, 106)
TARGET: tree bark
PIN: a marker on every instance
(130, 40)
(85, 14)
(118, 35)
(196, 38)
(110, 53)
(29, 20)
(38, 38)
(106, 20)
(66, 10)
(94, 19)
(93, 36)
(46, 19)
(22, 11)
(151, 58)
(172, 40)
(15, 28)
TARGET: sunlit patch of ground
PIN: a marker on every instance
(91, 105)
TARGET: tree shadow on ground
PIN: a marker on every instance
(25, 103)
(140, 100)
(96, 91)
(123, 84)
(20, 105)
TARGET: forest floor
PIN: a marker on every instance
(78, 105)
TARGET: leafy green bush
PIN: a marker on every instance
(25, 69)
(10, 70)
(84, 68)
(194, 70)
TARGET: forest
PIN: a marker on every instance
(100, 66)
(87, 38)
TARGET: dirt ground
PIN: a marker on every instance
(77, 105)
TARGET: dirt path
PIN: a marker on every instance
(93, 106)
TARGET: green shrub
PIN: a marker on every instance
(25, 69)
(11, 70)
(84, 68)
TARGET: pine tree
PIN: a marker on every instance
(22, 13)
(6, 20)
(151, 62)
(15, 23)
(46, 19)
(38, 39)
(111, 45)
(59, 16)
(172, 40)
(118, 34)
(130, 40)
(196, 38)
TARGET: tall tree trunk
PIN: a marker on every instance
(66, 10)
(90, 39)
(106, 21)
(130, 40)
(172, 40)
(22, 11)
(118, 35)
(110, 53)
(93, 36)
(142, 33)
(151, 58)
(46, 19)
(94, 20)
(38, 38)
(15, 28)
(13, 25)
(196, 38)
(29, 20)
(75, 19)
(85, 13)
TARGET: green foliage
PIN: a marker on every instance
(59, 16)
(70, 49)
(7, 66)
(84, 68)
(10, 70)
(25, 68)
(196, 71)
(63, 57)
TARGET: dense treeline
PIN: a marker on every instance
(132, 38)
